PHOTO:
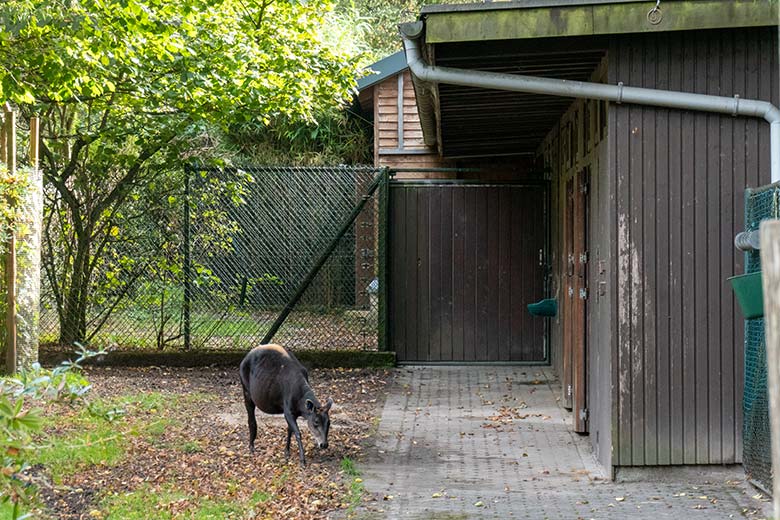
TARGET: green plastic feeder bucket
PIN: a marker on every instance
(548, 307)
(750, 295)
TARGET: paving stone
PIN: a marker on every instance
(444, 451)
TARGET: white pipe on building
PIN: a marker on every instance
(619, 93)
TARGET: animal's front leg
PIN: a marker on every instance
(250, 412)
(293, 425)
(287, 446)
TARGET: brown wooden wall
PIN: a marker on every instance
(677, 181)
(398, 140)
(464, 265)
(577, 142)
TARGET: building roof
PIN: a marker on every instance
(556, 18)
(515, 4)
(562, 39)
(384, 68)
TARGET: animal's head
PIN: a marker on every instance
(318, 419)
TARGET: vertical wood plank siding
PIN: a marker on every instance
(678, 184)
(464, 265)
(578, 142)
(398, 140)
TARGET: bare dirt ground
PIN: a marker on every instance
(198, 447)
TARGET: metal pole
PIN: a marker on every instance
(10, 259)
(383, 249)
(770, 262)
(187, 304)
(321, 261)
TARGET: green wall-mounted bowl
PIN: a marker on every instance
(548, 308)
(750, 295)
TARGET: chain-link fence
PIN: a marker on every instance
(215, 264)
(251, 261)
(760, 204)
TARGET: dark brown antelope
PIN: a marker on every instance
(275, 382)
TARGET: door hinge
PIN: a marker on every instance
(584, 258)
(584, 414)
(583, 294)
(568, 391)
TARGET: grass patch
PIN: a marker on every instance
(348, 467)
(260, 497)
(7, 510)
(190, 447)
(141, 504)
(356, 488)
(146, 502)
(97, 434)
(212, 510)
(65, 455)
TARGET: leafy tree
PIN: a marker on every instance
(129, 88)
(375, 22)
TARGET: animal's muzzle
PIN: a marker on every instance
(323, 445)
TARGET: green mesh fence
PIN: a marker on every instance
(760, 204)
(250, 237)
(273, 225)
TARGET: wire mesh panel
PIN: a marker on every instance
(257, 234)
(760, 204)
(131, 290)
(212, 261)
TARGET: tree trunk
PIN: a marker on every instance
(73, 321)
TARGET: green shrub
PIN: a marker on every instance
(20, 419)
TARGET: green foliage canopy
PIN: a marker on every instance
(128, 89)
(216, 60)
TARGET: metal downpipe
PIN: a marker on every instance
(619, 93)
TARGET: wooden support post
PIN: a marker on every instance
(3, 149)
(10, 260)
(770, 264)
(35, 141)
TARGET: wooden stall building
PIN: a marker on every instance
(624, 214)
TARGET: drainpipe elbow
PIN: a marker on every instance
(772, 114)
(410, 33)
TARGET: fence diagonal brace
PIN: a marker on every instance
(322, 259)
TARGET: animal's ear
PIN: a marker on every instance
(328, 405)
(309, 404)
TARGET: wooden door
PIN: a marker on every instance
(465, 261)
(580, 301)
(567, 303)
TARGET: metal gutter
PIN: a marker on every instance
(735, 106)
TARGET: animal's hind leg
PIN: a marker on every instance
(287, 446)
(250, 412)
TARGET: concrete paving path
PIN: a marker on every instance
(492, 442)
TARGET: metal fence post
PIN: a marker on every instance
(770, 262)
(186, 268)
(383, 249)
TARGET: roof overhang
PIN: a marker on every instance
(554, 18)
(564, 39)
(383, 69)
